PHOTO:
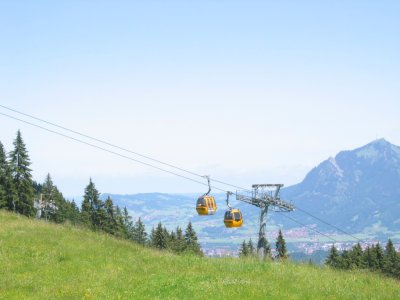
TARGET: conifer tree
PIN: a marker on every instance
(281, 246)
(367, 256)
(139, 233)
(119, 220)
(345, 260)
(22, 178)
(8, 194)
(110, 225)
(72, 212)
(250, 246)
(180, 243)
(379, 256)
(128, 224)
(356, 256)
(390, 258)
(244, 250)
(333, 258)
(159, 240)
(3, 177)
(93, 212)
(191, 239)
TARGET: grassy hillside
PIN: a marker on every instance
(47, 261)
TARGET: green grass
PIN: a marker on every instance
(47, 261)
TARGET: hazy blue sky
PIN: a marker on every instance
(246, 91)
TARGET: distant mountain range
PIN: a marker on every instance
(357, 191)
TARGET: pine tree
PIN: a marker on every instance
(356, 256)
(244, 249)
(110, 225)
(180, 243)
(250, 246)
(3, 177)
(333, 259)
(345, 260)
(139, 233)
(191, 239)
(390, 258)
(72, 212)
(379, 256)
(281, 246)
(119, 220)
(93, 212)
(159, 240)
(128, 224)
(8, 194)
(368, 261)
(22, 178)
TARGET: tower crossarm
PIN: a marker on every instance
(265, 201)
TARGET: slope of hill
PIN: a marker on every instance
(47, 261)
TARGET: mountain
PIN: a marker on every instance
(356, 190)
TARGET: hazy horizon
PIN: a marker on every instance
(247, 92)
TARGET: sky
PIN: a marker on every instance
(244, 91)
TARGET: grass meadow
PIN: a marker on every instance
(47, 261)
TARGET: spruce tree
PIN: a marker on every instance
(367, 257)
(72, 212)
(159, 238)
(22, 178)
(379, 256)
(333, 259)
(93, 212)
(110, 225)
(139, 233)
(191, 239)
(119, 220)
(390, 258)
(281, 252)
(244, 250)
(3, 177)
(128, 224)
(345, 260)
(180, 243)
(8, 194)
(250, 246)
(356, 256)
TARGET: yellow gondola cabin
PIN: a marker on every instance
(233, 218)
(206, 205)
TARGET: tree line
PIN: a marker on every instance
(21, 194)
(248, 249)
(374, 258)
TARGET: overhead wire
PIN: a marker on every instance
(145, 163)
(109, 151)
(326, 223)
(307, 226)
(115, 146)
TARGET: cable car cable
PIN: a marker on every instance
(109, 151)
(309, 227)
(141, 155)
(113, 145)
(319, 219)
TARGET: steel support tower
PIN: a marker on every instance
(264, 196)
